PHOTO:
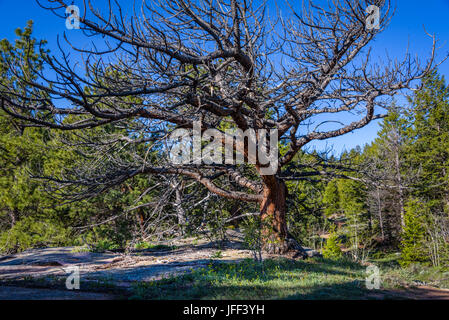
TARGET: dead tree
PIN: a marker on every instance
(220, 62)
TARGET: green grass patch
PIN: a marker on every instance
(417, 275)
(150, 246)
(274, 279)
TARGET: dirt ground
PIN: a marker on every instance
(120, 270)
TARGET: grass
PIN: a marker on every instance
(274, 279)
(150, 246)
(394, 276)
(313, 279)
(416, 275)
(103, 246)
(316, 278)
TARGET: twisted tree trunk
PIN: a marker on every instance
(273, 209)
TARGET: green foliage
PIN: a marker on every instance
(23, 202)
(217, 255)
(428, 155)
(144, 245)
(331, 199)
(344, 196)
(413, 237)
(104, 245)
(272, 279)
(427, 161)
(416, 274)
(304, 215)
(348, 198)
(31, 217)
(332, 248)
(352, 197)
(30, 233)
(27, 151)
(252, 230)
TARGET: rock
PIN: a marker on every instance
(312, 253)
(49, 263)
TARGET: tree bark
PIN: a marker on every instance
(379, 210)
(397, 164)
(273, 209)
(181, 214)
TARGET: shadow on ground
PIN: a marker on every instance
(188, 272)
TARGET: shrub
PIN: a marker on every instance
(253, 237)
(332, 248)
(413, 237)
(30, 233)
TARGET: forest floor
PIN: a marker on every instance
(196, 269)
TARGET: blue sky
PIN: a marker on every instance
(407, 27)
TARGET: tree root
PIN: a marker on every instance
(291, 248)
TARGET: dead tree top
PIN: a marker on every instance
(221, 62)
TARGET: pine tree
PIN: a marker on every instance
(427, 157)
(353, 204)
(331, 199)
(29, 215)
(332, 247)
(428, 154)
(388, 176)
(413, 236)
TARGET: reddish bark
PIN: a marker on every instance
(273, 209)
